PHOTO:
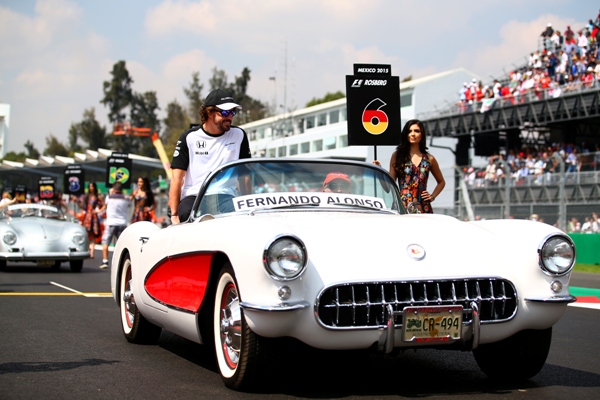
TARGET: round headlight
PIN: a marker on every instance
(9, 238)
(78, 238)
(557, 255)
(285, 258)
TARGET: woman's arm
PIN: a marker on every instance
(392, 169)
(439, 178)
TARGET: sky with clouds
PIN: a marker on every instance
(57, 53)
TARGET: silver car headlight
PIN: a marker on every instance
(78, 238)
(9, 238)
(557, 255)
(285, 258)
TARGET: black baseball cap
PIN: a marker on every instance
(221, 98)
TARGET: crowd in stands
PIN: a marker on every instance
(590, 225)
(535, 165)
(565, 62)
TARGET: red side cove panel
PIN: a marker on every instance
(180, 281)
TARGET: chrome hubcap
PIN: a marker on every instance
(231, 326)
(129, 303)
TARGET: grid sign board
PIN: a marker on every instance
(373, 102)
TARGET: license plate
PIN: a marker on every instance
(432, 323)
(44, 263)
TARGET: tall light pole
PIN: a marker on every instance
(274, 79)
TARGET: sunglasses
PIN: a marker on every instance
(338, 186)
(226, 113)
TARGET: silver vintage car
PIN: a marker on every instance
(41, 234)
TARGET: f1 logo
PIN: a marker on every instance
(357, 83)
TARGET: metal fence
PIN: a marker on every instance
(567, 198)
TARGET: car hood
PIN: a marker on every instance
(35, 228)
(358, 246)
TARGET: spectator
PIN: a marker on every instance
(582, 43)
(574, 225)
(569, 34)
(116, 206)
(462, 94)
(7, 199)
(595, 223)
(91, 205)
(547, 34)
(557, 41)
(587, 225)
(144, 201)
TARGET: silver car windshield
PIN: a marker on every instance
(31, 210)
(260, 185)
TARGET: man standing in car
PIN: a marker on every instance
(202, 149)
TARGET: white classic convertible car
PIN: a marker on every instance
(324, 252)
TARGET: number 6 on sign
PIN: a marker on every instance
(375, 120)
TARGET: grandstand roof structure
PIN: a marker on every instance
(93, 162)
(572, 117)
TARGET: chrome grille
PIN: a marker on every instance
(363, 305)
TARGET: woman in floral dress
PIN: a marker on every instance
(144, 201)
(91, 204)
(410, 165)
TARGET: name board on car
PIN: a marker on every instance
(315, 199)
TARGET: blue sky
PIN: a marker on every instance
(57, 53)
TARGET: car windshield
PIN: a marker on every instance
(275, 184)
(31, 210)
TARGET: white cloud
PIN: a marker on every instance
(518, 39)
(56, 57)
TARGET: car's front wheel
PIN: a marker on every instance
(241, 354)
(517, 358)
(136, 328)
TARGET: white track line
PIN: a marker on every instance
(81, 293)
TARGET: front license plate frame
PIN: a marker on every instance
(432, 323)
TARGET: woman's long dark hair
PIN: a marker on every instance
(403, 149)
(91, 192)
(148, 190)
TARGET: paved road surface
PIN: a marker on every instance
(56, 343)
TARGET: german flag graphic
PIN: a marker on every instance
(374, 120)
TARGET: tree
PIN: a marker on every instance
(117, 92)
(32, 152)
(241, 83)
(143, 114)
(54, 147)
(328, 97)
(89, 131)
(218, 80)
(175, 123)
(16, 157)
(194, 96)
(251, 109)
